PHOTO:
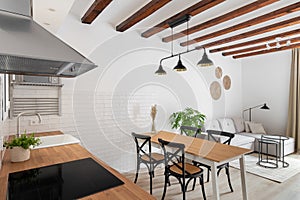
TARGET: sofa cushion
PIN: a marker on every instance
(253, 135)
(239, 124)
(227, 125)
(213, 125)
(256, 128)
(242, 140)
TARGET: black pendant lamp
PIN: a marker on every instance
(160, 71)
(179, 67)
(205, 61)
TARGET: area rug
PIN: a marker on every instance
(279, 174)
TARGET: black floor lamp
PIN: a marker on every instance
(262, 106)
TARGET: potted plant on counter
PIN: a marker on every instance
(187, 117)
(20, 147)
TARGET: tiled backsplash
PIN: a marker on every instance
(103, 124)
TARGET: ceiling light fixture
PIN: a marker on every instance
(179, 67)
(160, 70)
(204, 62)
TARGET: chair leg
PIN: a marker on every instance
(207, 180)
(194, 183)
(188, 182)
(183, 188)
(150, 174)
(165, 187)
(228, 178)
(219, 170)
(137, 172)
(201, 179)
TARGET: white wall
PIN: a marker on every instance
(265, 78)
(115, 99)
(103, 106)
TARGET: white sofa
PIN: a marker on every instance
(246, 139)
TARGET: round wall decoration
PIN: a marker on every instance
(215, 90)
(218, 72)
(227, 82)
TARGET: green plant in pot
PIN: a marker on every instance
(20, 147)
(187, 117)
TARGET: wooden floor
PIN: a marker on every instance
(258, 188)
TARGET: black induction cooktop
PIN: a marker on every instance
(71, 180)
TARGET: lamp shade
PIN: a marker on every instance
(265, 107)
(160, 71)
(205, 61)
(179, 67)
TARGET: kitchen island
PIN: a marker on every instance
(66, 153)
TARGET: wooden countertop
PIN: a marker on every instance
(60, 154)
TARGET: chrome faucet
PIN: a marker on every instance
(27, 114)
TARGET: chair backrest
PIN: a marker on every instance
(190, 131)
(215, 135)
(173, 152)
(141, 141)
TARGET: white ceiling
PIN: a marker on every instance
(119, 10)
(51, 14)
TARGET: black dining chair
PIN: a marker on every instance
(190, 131)
(215, 136)
(176, 166)
(151, 160)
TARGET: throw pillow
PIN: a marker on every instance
(257, 128)
(227, 125)
(247, 129)
(239, 124)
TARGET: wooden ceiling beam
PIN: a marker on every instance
(297, 45)
(95, 9)
(141, 14)
(256, 41)
(273, 27)
(263, 46)
(192, 10)
(263, 18)
(223, 18)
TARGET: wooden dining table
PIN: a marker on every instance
(210, 153)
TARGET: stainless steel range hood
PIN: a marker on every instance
(27, 48)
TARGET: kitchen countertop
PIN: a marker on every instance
(60, 154)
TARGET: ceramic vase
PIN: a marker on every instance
(19, 154)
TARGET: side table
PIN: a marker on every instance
(264, 159)
(278, 142)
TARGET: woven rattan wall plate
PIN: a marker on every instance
(218, 72)
(226, 82)
(215, 90)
